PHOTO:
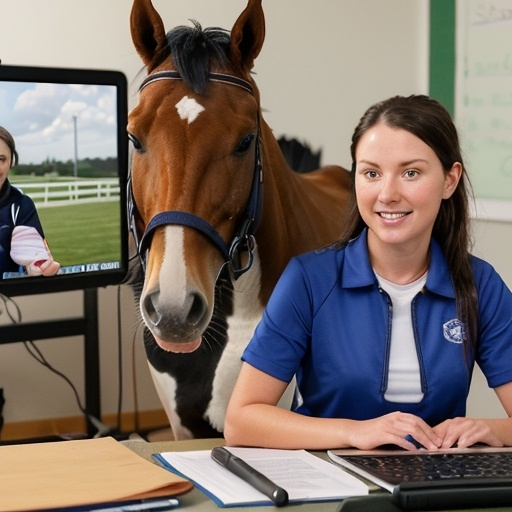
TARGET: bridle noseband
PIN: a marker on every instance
(244, 241)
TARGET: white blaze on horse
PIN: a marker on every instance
(216, 211)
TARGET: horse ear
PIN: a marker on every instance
(247, 36)
(147, 29)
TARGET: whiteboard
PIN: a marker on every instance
(483, 101)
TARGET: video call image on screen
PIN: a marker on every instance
(67, 136)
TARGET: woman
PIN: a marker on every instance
(382, 329)
(22, 242)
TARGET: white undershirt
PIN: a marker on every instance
(404, 383)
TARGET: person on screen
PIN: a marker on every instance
(22, 242)
(382, 329)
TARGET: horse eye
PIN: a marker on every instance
(245, 144)
(136, 142)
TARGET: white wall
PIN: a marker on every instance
(322, 65)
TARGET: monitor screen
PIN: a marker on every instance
(63, 196)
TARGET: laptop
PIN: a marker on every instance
(423, 480)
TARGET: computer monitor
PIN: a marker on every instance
(69, 128)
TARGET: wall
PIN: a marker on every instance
(493, 242)
(322, 65)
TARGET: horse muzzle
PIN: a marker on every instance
(176, 328)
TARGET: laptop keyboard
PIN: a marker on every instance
(435, 466)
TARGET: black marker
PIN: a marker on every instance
(253, 477)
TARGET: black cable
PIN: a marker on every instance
(134, 381)
(36, 353)
(7, 301)
(119, 361)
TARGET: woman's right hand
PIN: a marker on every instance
(397, 428)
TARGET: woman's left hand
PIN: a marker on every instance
(464, 432)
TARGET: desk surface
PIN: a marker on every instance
(197, 501)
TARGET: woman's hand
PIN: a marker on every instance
(395, 428)
(464, 432)
(47, 267)
(50, 267)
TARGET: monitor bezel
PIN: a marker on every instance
(86, 280)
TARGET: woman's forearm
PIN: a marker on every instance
(273, 427)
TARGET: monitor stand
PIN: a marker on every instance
(86, 326)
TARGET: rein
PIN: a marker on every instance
(243, 241)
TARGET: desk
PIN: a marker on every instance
(197, 501)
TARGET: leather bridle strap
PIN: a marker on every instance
(183, 219)
(215, 77)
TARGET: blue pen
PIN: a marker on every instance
(148, 506)
(411, 439)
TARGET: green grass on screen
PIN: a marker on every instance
(82, 233)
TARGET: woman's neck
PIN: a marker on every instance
(398, 264)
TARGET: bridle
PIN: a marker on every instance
(243, 241)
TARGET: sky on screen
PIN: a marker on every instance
(42, 118)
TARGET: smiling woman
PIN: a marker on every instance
(384, 327)
(400, 184)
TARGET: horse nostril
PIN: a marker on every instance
(152, 312)
(198, 309)
(173, 322)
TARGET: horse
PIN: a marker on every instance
(215, 210)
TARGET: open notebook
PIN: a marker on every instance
(423, 479)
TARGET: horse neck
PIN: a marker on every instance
(287, 226)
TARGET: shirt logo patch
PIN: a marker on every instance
(454, 331)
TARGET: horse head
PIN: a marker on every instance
(195, 175)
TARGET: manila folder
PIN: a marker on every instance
(61, 474)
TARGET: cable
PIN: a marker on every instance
(136, 425)
(7, 301)
(36, 353)
(119, 362)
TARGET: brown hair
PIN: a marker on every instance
(428, 120)
(9, 140)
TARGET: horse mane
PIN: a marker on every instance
(194, 51)
(299, 155)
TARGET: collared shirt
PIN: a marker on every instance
(329, 323)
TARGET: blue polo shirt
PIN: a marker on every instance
(329, 323)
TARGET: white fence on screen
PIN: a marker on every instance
(60, 193)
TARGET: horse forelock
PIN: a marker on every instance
(195, 52)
